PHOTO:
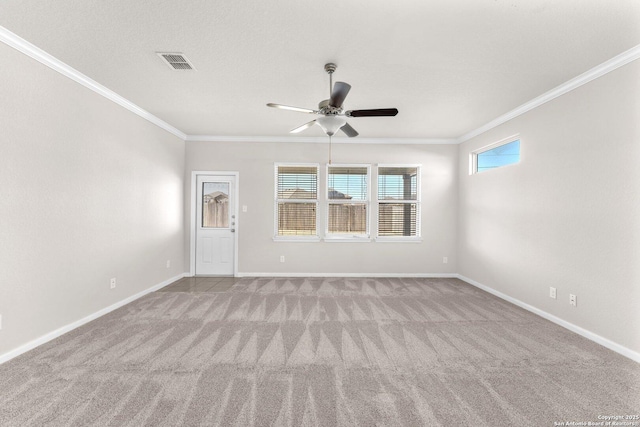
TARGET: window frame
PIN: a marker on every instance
(418, 202)
(473, 155)
(336, 237)
(293, 238)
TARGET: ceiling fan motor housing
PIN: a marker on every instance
(327, 109)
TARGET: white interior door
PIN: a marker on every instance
(215, 224)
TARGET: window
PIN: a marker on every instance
(503, 153)
(296, 200)
(347, 201)
(398, 201)
(215, 205)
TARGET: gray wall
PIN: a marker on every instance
(90, 191)
(568, 215)
(258, 253)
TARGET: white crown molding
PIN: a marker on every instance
(620, 349)
(592, 74)
(597, 71)
(20, 44)
(321, 139)
(63, 330)
(50, 61)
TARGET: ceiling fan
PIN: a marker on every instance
(331, 115)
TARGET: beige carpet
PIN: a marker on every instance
(319, 352)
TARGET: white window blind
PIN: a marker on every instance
(347, 201)
(296, 200)
(398, 201)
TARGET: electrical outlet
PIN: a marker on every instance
(168, 263)
(281, 258)
(552, 292)
(113, 283)
(445, 260)
(244, 208)
(0, 321)
(573, 300)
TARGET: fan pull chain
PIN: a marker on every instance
(330, 90)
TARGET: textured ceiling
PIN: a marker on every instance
(448, 66)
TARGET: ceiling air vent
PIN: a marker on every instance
(176, 61)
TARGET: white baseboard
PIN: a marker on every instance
(63, 330)
(620, 349)
(363, 275)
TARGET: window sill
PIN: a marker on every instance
(399, 239)
(292, 239)
(347, 239)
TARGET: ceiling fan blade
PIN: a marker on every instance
(303, 127)
(351, 132)
(339, 93)
(287, 107)
(379, 112)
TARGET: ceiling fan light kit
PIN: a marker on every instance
(331, 124)
(332, 117)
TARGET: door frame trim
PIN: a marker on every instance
(192, 217)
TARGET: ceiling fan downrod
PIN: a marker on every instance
(330, 68)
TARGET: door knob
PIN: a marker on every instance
(233, 230)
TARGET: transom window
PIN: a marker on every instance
(502, 153)
(348, 201)
(398, 201)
